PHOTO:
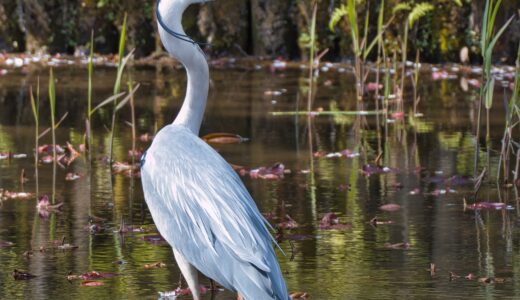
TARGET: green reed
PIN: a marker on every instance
(488, 41)
(35, 105)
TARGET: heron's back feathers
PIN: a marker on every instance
(203, 210)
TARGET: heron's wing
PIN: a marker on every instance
(199, 202)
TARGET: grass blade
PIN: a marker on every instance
(127, 98)
(107, 101)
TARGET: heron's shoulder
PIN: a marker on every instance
(177, 144)
(175, 137)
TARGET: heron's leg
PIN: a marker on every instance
(190, 274)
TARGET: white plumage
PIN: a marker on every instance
(197, 201)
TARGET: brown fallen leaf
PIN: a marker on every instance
(5, 244)
(433, 269)
(453, 276)
(90, 283)
(375, 221)
(22, 275)
(155, 265)
(72, 176)
(391, 207)
(299, 295)
(397, 246)
(67, 247)
(288, 223)
(223, 138)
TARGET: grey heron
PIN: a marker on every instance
(198, 202)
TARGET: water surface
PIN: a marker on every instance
(328, 264)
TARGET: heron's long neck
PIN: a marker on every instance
(193, 59)
(192, 110)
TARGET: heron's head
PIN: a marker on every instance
(187, 2)
(179, 5)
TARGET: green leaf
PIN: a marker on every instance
(483, 31)
(337, 15)
(127, 98)
(490, 88)
(401, 7)
(489, 50)
(120, 70)
(110, 99)
(52, 95)
(458, 2)
(419, 11)
(90, 73)
(34, 107)
(120, 66)
(352, 17)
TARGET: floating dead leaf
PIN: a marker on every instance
(488, 280)
(47, 159)
(390, 207)
(67, 247)
(6, 195)
(344, 153)
(48, 149)
(121, 167)
(154, 239)
(288, 223)
(331, 221)
(275, 172)
(415, 191)
(22, 275)
(397, 246)
(399, 115)
(182, 292)
(91, 275)
(299, 295)
(45, 208)
(28, 254)
(487, 206)
(5, 244)
(91, 283)
(373, 86)
(453, 276)
(146, 137)
(433, 269)
(155, 265)
(375, 221)
(471, 276)
(94, 228)
(223, 138)
(10, 155)
(369, 169)
(72, 176)
(135, 153)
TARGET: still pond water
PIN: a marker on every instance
(352, 263)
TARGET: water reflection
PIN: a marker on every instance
(328, 264)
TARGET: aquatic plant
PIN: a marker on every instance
(512, 110)
(89, 97)
(52, 100)
(122, 61)
(415, 13)
(35, 105)
(488, 41)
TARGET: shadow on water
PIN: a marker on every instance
(329, 264)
